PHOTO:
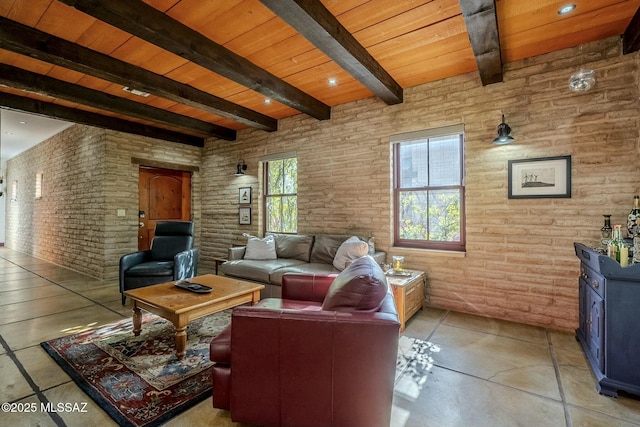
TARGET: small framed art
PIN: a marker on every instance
(244, 196)
(244, 216)
(545, 177)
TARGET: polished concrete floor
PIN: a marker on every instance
(475, 372)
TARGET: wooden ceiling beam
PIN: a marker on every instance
(45, 47)
(482, 27)
(38, 83)
(314, 21)
(47, 109)
(148, 23)
(631, 36)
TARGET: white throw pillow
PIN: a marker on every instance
(350, 249)
(260, 249)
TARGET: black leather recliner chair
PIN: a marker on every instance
(171, 257)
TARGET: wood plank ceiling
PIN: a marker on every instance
(210, 68)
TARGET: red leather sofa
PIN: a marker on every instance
(289, 362)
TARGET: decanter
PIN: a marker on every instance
(605, 231)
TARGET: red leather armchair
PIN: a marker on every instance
(287, 362)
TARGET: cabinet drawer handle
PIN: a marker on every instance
(595, 284)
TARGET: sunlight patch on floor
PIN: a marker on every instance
(79, 328)
(415, 361)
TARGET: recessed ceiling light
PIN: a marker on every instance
(22, 122)
(135, 91)
(332, 81)
(267, 101)
(567, 8)
(8, 133)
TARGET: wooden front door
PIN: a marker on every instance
(164, 194)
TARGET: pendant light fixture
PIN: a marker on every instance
(503, 134)
(583, 79)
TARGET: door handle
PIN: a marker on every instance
(141, 224)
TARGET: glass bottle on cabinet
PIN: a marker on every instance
(616, 243)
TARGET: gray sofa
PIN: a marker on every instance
(296, 253)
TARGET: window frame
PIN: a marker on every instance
(397, 140)
(266, 195)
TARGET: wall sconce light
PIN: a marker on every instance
(240, 168)
(503, 134)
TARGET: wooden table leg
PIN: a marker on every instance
(255, 297)
(137, 319)
(181, 341)
(219, 261)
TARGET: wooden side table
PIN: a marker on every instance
(408, 292)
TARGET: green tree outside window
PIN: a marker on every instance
(281, 196)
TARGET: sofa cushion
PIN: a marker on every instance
(304, 268)
(325, 247)
(362, 286)
(288, 304)
(260, 249)
(257, 270)
(296, 246)
(350, 249)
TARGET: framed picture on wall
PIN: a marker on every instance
(244, 216)
(545, 177)
(244, 196)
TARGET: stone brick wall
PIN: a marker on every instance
(519, 264)
(88, 175)
(124, 155)
(64, 226)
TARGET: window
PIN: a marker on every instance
(281, 195)
(39, 185)
(429, 189)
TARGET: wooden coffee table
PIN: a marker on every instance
(181, 306)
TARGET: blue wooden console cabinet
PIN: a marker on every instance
(609, 320)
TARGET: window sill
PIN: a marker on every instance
(434, 252)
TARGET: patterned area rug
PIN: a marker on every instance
(138, 381)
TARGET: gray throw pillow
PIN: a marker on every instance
(293, 246)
